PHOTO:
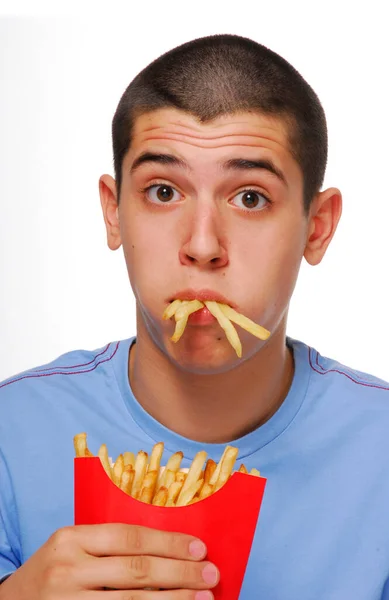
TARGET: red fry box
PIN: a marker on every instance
(225, 521)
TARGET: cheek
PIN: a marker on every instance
(270, 256)
(149, 246)
(284, 266)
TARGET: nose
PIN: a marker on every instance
(204, 246)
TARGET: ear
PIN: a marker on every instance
(323, 220)
(109, 205)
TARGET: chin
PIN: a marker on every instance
(205, 368)
(205, 359)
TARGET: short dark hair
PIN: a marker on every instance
(223, 74)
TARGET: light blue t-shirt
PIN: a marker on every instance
(323, 531)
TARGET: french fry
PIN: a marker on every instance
(173, 464)
(187, 308)
(216, 472)
(129, 458)
(173, 493)
(127, 479)
(255, 472)
(189, 493)
(193, 475)
(171, 309)
(180, 476)
(182, 315)
(148, 487)
(226, 467)
(206, 491)
(210, 468)
(226, 325)
(155, 457)
(170, 477)
(242, 469)
(244, 322)
(180, 321)
(194, 500)
(117, 469)
(103, 455)
(180, 328)
(140, 472)
(160, 497)
(80, 445)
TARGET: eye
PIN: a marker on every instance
(162, 193)
(250, 200)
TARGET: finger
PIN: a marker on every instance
(150, 595)
(139, 572)
(117, 539)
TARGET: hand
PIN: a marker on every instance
(77, 563)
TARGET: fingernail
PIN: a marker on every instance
(197, 549)
(204, 595)
(210, 574)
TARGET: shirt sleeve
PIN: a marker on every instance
(385, 592)
(9, 538)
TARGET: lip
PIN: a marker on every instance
(202, 295)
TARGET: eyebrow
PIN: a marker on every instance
(234, 164)
(163, 159)
(243, 164)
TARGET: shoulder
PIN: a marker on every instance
(41, 409)
(328, 374)
(58, 399)
(77, 365)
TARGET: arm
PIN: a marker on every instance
(9, 535)
(385, 591)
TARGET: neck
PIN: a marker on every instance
(211, 408)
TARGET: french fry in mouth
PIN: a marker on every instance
(225, 324)
(187, 308)
(171, 309)
(180, 328)
(224, 314)
(182, 315)
(244, 322)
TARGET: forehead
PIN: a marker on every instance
(172, 128)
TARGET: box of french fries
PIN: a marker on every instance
(212, 501)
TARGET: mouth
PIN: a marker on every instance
(203, 307)
(202, 295)
(203, 316)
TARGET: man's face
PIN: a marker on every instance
(212, 210)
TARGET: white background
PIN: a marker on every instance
(61, 77)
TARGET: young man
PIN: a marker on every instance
(220, 150)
